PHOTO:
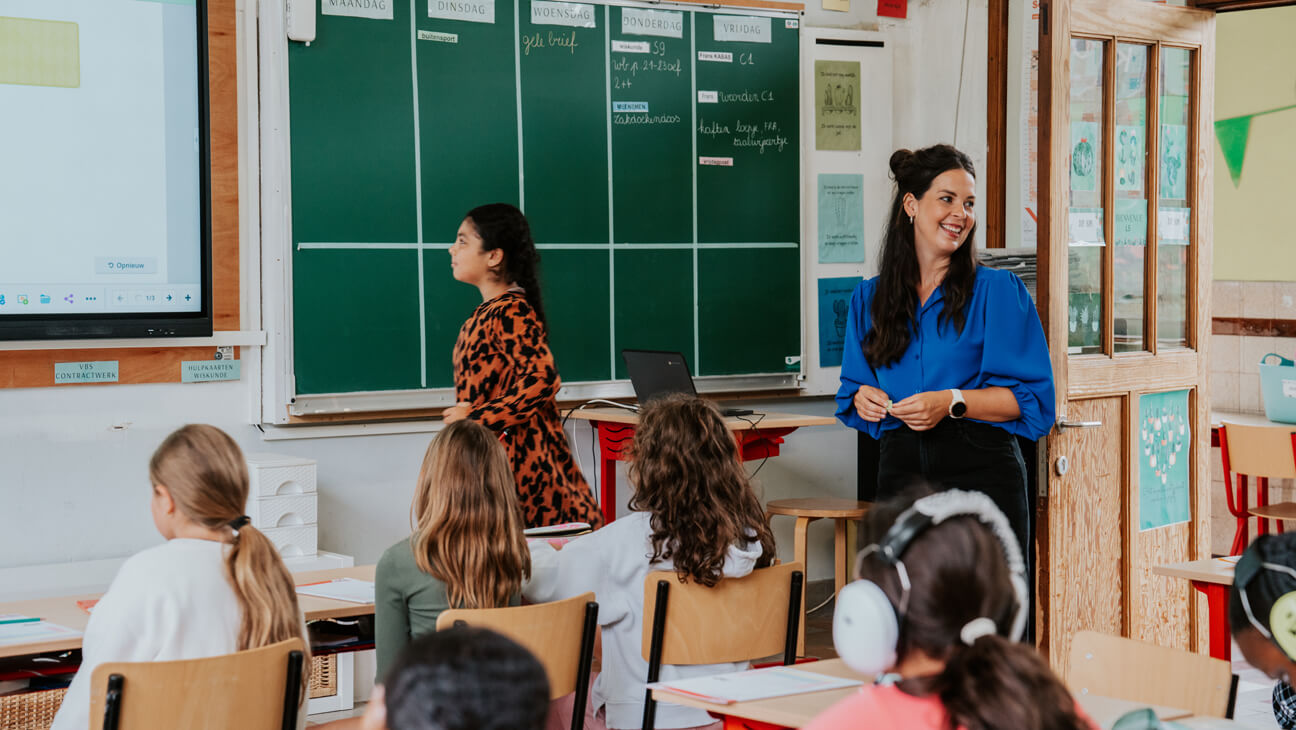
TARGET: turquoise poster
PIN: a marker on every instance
(1174, 160)
(1165, 436)
(1084, 156)
(834, 305)
(841, 219)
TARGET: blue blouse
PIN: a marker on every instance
(1002, 344)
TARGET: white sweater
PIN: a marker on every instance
(613, 562)
(168, 602)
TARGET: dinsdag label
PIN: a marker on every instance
(630, 47)
(428, 35)
(741, 28)
(664, 23)
(575, 15)
(720, 56)
(716, 161)
(204, 371)
(637, 107)
(473, 11)
(372, 9)
(99, 371)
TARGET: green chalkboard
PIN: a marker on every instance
(654, 150)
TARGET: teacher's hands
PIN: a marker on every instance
(456, 412)
(871, 403)
(923, 410)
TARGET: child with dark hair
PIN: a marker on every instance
(1262, 616)
(463, 678)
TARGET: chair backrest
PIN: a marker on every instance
(1259, 451)
(740, 619)
(1126, 669)
(552, 631)
(250, 690)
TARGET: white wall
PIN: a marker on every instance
(73, 460)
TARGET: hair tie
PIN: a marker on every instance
(976, 628)
(238, 522)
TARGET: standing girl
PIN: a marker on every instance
(216, 586)
(467, 550)
(693, 512)
(504, 372)
(945, 361)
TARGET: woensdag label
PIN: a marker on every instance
(473, 11)
(664, 23)
(576, 15)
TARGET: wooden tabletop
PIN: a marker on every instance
(761, 419)
(64, 610)
(1246, 419)
(789, 711)
(1105, 711)
(1209, 570)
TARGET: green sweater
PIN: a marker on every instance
(407, 602)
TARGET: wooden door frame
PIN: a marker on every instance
(1078, 377)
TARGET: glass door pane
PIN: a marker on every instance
(1085, 214)
(1129, 137)
(1173, 206)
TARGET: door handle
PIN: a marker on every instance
(1062, 423)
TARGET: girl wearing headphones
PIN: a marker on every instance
(937, 613)
(1262, 616)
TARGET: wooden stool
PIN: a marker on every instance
(808, 510)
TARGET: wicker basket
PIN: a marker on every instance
(30, 710)
(323, 676)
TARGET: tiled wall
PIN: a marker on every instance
(1235, 380)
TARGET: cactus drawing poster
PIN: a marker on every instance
(1164, 454)
(1085, 148)
(834, 307)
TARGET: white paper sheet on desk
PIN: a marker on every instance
(754, 684)
(22, 633)
(341, 589)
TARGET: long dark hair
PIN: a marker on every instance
(895, 301)
(502, 226)
(687, 475)
(957, 573)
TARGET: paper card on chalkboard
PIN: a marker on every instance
(837, 110)
(631, 47)
(473, 11)
(841, 219)
(708, 97)
(741, 29)
(430, 35)
(372, 9)
(716, 161)
(575, 15)
(718, 56)
(663, 23)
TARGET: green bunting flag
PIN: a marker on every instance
(1232, 135)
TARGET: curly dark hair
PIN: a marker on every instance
(688, 476)
(502, 226)
(895, 302)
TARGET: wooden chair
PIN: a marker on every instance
(806, 510)
(258, 689)
(1262, 452)
(560, 634)
(738, 620)
(1125, 669)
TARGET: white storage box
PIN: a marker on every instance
(294, 542)
(291, 511)
(275, 475)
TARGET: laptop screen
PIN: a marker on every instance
(654, 373)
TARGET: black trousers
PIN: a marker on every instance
(958, 454)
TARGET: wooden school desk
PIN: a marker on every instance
(794, 711)
(758, 435)
(1212, 577)
(64, 610)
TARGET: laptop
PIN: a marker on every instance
(655, 373)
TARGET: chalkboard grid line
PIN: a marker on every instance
(418, 197)
(697, 342)
(346, 246)
(517, 75)
(607, 97)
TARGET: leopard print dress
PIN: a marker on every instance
(504, 368)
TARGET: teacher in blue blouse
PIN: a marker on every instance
(945, 361)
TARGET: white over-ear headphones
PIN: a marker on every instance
(866, 626)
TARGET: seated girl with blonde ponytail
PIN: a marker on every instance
(216, 586)
(937, 615)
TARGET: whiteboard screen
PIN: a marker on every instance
(104, 221)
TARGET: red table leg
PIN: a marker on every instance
(614, 440)
(738, 723)
(1221, 646)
